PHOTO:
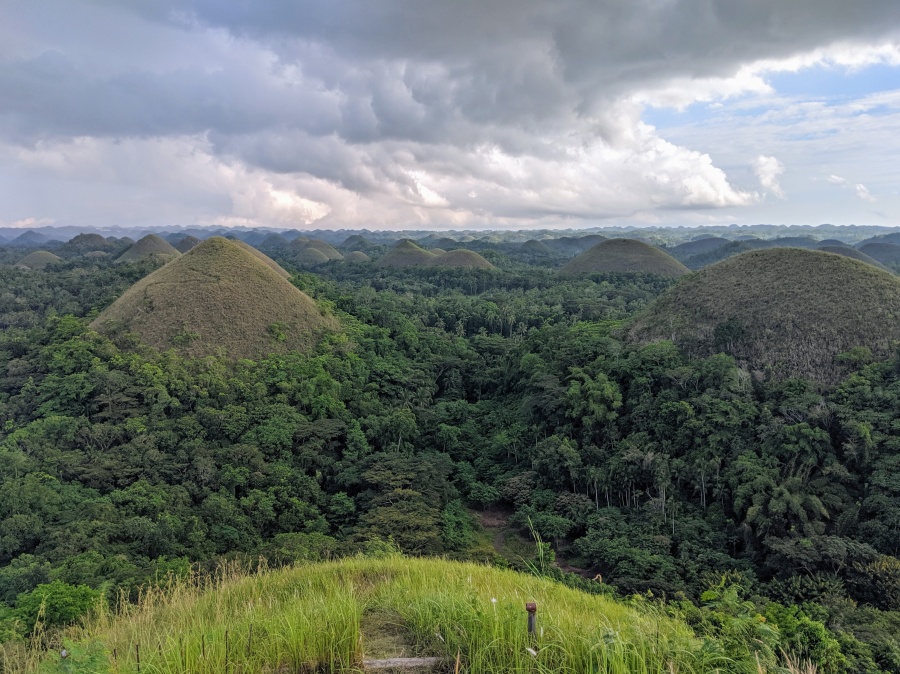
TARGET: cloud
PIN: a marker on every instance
(767, 171)
(360, 112)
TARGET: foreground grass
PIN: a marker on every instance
(308, 618)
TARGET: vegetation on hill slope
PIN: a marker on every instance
(319, 617)
(460, 258)
(405, 253)
(356, 256)
(325, 248)
(885, 253)
(149, 246)
(185, 243)
(217, 296)
(787, 311)
(624, 256)
(39, 259)
(698, 246)
(848, 251)
(265, 259)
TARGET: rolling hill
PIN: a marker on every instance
(217, 296)
(149, 246)
(782, 311)
(885, 253)
(460, 258)
(848, 251)
(185, 243)
(405, 253)
(624, 256)
(38, 260)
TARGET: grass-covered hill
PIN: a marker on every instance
(849, 251)
(184, 244)
(885, 253)
(534, 247)
(786, 311)
(311, 257)
(405, 253)
(624, 256)
(38, 260)
(269, 262)
(461, 259)
(325, 248)
(705, 245)
(217, 296)
(340, 616)
(148, 247)
(355, 256)
(87, 243)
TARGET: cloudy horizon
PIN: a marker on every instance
(508, 114)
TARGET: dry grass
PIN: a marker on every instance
(325, 248)
(150, 245)
(624, 256)
(217, 296)
(460, 258)
(38, 260)
(356, 256)
(405, 253)
(784, 310)
(265, 259)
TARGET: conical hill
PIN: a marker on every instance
(782, 311)
(885, 253)
(460, 258)
(405, 253)
(356, 256)
(217, 296)
(87, 243)
(325, 248)
(184, 244)
(149, 246)
(38, 260)
(624, 256)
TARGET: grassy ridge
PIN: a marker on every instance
(308, 618)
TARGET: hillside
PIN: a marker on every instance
(87, 243)
(149, 246)
(38, 260)
(534, 247)
(311, 257)
(341, 616)
(698, 246)
(217, 296)
(785, 311)
(405, 253)
(325, 248)
(184, 244)
(356, 256)
(885, 253)
(848, 251)
(265, 259)
(624, 256)
(461, 259)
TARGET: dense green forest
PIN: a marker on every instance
(762, 511)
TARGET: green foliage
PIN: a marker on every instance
(56, 603)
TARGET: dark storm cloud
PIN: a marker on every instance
(506, 108)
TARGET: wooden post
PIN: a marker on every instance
(531, 607)
(137, 653)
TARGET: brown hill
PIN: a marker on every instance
(624, 256)
(38, 260)
(461, 258)
(325, 248)
(86, 243)
(405, 253)
(184, 244)
(265, 259)
(311, 257)
(150, 246)
(217, 296)
(784, 311)
(356, 256)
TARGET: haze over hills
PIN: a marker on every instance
(217, 296)
(783, 311)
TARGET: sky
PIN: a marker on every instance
(462, 114)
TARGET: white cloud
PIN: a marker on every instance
(767, 171)
(863, 192)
